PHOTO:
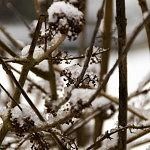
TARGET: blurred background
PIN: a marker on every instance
(11, 12)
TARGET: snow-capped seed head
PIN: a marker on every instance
(38, 51)
(26, 112)
(66, 19)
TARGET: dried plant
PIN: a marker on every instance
(55, 110)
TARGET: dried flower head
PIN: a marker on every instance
(64, 18)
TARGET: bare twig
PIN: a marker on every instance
(7, 49)
(28, 79)
(90, 50)
(137, 93)
(8, 71)
(139, 143)
(11, 39)
(81, 123)
(6, 123)
(130, 108)
(108, 134)
(58, 142)
(51, 49)
(106, 44)
(10, 96)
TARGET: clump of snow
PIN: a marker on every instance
(61, 7)
(38, 51)
(66, 19)
(64, 110)
(71, 73)
(16, 113)
(62, 113)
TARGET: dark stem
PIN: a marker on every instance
(123, 89)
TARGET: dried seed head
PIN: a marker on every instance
(64, 18)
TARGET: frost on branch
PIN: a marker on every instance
(66, 19)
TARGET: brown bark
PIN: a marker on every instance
(123, 94)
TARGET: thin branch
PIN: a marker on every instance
(8, 94)
(81, 123)
(8, 71)
(137, 93)
(139, 143)
(11, 39)
(7, 49)
(30, 80)
(123, 55)
(22, 61)
(51, 49)
(58, 142)
(132, 137)
(130, 108)
(144, 82)
(36, 36)
(52, 80)
(106, 44)
(108, 134)
(90, 50)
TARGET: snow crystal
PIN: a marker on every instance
(38, 51)
(61, 7)
(16, 113)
